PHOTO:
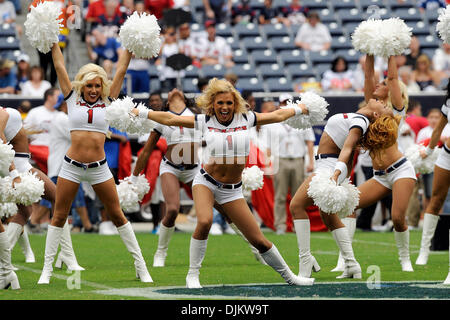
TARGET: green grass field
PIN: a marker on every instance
(228, 261)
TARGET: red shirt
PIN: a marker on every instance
(156, 7)
(416, 123)
(97, 8)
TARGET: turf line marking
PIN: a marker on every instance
(389, 244)
(61, 277)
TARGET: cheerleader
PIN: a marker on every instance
(87, 98)
(441, 183)
(225, 128)
(16, 135)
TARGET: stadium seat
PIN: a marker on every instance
(279, 85)
(263, 56)
(364, 4)
(383, 13)
(155, 85)
(247, 30)
(282, 43)
(419, 28)
(240, 56)
(429, 52)
(190, 85)
(429, 42)
(224, 30)
(257, 4)
(407, 14)
(323, 56)
(233, 42)
(10, 54)
(268, 70)
(335, 29)
(9, 43)
(432, 15)
(275, 30)
(321, 68)
(349, 15)
(7, 30)
(191, 72)
(341, 43)
(153, 71)
(350, 27)
(315, 4)
(350, 55)
(302, 70)
(292, 56)
(280, 3)
(243, 70)
(254, 43)
(327, 16)
(251, 84)
(343, 4)
(395, 4)
(211, 71)
(197, 4)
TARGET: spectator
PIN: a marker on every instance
(157, 7)
(155, 101)
(250, 99)
(295, 13)
(414, 52)
(430, 4)
(242, 13)
(7, 12)
(217, 10)
(167, 75)
(441, 61)
(103, 50)
(37, 85)
(97, 8)
(127, 8)
(313, 35)
(37, 122)
(190, 42)
(24, 108)
(426, 78)
(139, 7)
(405, 74)
(269, 14)
(23, 70)
(138, 72)
(111, 18)
(339, 78)
(268, 105)
(8, 78)
(414, 117)
(215, 49)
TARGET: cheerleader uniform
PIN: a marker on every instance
(443, 160)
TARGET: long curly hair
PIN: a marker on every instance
(88, 72)
(217, 86)
(380, 135)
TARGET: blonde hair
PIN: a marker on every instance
(405, 97)
(215, 86)
(381, 134)
(89, 72)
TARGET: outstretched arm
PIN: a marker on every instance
(279, 115)
(341, 169)
(121, 70)
(393, 84)
(167, 118)
(437, 131)
(369, 77)
(61, 72)
(146, 152)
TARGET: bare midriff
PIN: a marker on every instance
(226, 170)
(386, 158)
(327, 145)
(20, 142)
(87, 146)
(183, 153)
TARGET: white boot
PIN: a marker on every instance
(402, 241)
(54, 235)
(447, 280)
(8, 277)
(352, 269)
(274, 259)
(307, 262)
(165, 234)
(24, 243)
(350, 223)
(67, 255)
(254, 250)
(429, 226)
(197, 250)
(129, 239)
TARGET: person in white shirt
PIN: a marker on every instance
(288, 146)
(313, 35)
(339, 77)
(441, 61)
(36, 86)
(215, 49)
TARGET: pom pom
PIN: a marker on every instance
(383, 38)
(6, 190)
(42, 26)
(443, 26)
(252, 179)
(140, 126)
(326, 194)
(352, 199)
(29, 190)
(421, 166)
(8, 209)
(6, 157)
(317, 111)
(140, 35)
(131, 193)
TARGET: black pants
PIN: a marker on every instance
(46, 62)
(364, 220)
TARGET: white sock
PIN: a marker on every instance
(303, 232)
(342, 238)
(165, 234)
(429, 227)
(402, 241)
(197, 250)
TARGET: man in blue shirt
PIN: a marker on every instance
(8, 79)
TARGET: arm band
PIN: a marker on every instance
(133, 178)
(342, 167)
(428, 150)
(14, 174)
(143, 114)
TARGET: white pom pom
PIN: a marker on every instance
(8, 209)
(328, 196)
(299, 121)
(252, 178)
(140, 35)
(139, 125)
(29, 190)
(6, 157)
(317, 111)
(6, 190)
(118, 113)
(443, 26)
(42, 26)
(382, 38)
(352, 199)
(128, 197)
(421, 166)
